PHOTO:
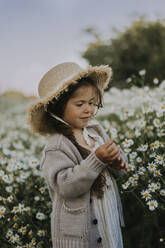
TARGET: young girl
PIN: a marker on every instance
(80, 162)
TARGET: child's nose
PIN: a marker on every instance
(88, 108)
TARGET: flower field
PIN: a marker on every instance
(135, 118)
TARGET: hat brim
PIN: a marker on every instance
(36, 113)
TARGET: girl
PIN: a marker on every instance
(80, 162)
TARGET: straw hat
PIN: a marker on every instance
(56, 81)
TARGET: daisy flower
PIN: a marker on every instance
(141, 170)
(41, 233)
(127, 143)
(143, 148)
(40, 216)
(157, 173)
(146, 194)
(151, 167)
(125, 185)
(133, 155)
(157, 123)
(152, 187)
(162, 192)
(152, 204)
(142, 72)
(2, 211)
(159, 159)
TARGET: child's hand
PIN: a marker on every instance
(120, 163)
(108, 152)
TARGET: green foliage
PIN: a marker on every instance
(140, 46)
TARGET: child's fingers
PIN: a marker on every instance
(109, 143)
(126, 167)
(115, 154)
(115, 157)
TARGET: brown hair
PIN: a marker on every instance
(57, 107)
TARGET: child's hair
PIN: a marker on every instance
(57, 107)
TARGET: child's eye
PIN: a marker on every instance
(79, 104)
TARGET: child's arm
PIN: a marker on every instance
(69, 179)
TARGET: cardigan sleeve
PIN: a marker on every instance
(68, 179)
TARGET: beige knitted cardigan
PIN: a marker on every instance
(69, 179)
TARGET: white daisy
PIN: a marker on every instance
(139, 159)
(137, 133)
(41, 233)
(157, 173)
(132, 155)
(161, 132)
(143, 148)
(162, 192)
(146, 194)
(142, 72)
(155, 80)
(21, 208)
(152, 187)
(125, 185)
(141, 170)
(131, 167)
(127, 143)
(159, 159)
(151, 166)
(155, 145)
(157, 123)
(40, 216)
(152, 204)
(14, 239)
(2, 211)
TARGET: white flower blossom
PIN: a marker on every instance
(127, 143)
(141, 170)
(151, 166)
(162, 192)
(2, 212)
(143, 148)
(14, 239)
(125, 185)
(159, 159)
(133, 155)
(155, 80)
(142, 72)
(157, 123)
(40, 216)
(146, 194)
(152, 187)
(152, 204)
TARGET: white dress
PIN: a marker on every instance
(106, 209)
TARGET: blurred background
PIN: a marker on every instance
(38, 34)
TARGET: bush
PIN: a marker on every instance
(141, 45)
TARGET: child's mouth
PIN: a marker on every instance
(85, 118)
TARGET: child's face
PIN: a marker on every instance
(80, 107)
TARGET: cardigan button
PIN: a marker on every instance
(95, 221)
(99, 240)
